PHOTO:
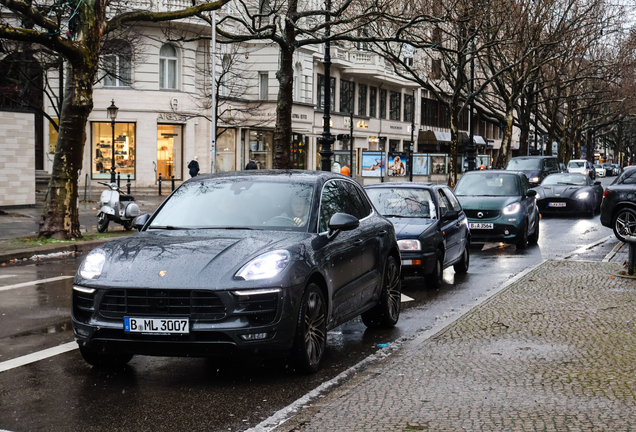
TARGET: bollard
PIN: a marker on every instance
(631, 263)
(173, 183)
(128, 185)
(118, 180)
(159, 184)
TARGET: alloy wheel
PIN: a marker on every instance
(626, 223)
(394, 294)
(314, 328)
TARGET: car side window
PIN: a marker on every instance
(525, 185)
(330, 203)
(630, 178)
(368, 208)
(351, 199)
(443, 203)
(452, 200)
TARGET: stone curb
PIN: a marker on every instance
(20, 254)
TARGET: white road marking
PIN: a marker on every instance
(2, 277)
(406, 298)
(36, 282)
(37, 356)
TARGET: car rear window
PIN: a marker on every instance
(403, 202)
(574, 164)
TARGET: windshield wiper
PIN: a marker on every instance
(230, 228)
(394, 215)
(168, 227)
(569, 184)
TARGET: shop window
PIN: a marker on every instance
(170, 151)
(298, 155)
(395, 105)
(117, 64)
(260, 145)
(168, 67)
(225, 151)
(394, 145)
(53, 135)
(101, 150)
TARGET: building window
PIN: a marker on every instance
(168, 67)
(225, 151)
(101, 150)
(263, 85)
(408, 108)
(436, 69)
(347, 89)
(298, 151)
(297, 81)
(321, 92)
(362, 99)
(382, 113)
(170, 151)
(373, 100)
(395, 105)
(117, 64)
(226, 65)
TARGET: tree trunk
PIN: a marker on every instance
(524, 126)
(60, 218)
(283, 130)
(454, 126)
(506, 143)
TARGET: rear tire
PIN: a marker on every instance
(311, 330)
(534, 238)
(434, 280)
(104, 358)
(461, 267)
(624, 223)
(522, 239)
(387, 312)
(102, 222)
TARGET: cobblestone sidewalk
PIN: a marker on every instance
(554, 351)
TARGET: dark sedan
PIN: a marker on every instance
(569, 193)
(430, 225)
(618, 208)
(240, 263)
(500, 207)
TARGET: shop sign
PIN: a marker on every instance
(362, 125)
(330, 122)
(300, 116)
(172, 117)
(346, 122)
(396, 127)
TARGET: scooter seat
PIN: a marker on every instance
(124, 197)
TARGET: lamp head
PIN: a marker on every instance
(112, 110)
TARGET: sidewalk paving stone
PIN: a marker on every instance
(555, 350)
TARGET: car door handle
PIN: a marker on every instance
(357, 242)
(382, 233)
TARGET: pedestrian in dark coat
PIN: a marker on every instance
(193, 166)
(251, 165)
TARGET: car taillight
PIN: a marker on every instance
(606, 193)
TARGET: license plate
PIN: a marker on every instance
(157, 325)
(481, 226)
(407, 262)
(556, 204)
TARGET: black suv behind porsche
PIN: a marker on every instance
(618, 208)
(536, 168)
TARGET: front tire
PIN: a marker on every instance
(102, 222)
(522, 239)
(461, 267)
(434, 280)
(534, 238)
(624, 223)
(104, 358)
(387, 312)
(311, 330)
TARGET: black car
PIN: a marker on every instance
(618, 208)
(430, 225)
(240, 263)
(536, 168)
(500, 207)
(569, 193)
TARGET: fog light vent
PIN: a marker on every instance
(254, 336)
(506, 232)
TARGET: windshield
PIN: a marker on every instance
(524, 164)
(576, 164)
(487, 185)
(405, 202)
(236, 204)
(565, 179)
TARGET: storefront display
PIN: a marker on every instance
(101, 150)
(170, 151)
(421, 164)
(225, 148)
(260, 145)
(439, 163)
(373, 164)
(397, 164)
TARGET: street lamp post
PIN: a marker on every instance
(412, 146)
(112, 113)
(326, 140)
(470, 150)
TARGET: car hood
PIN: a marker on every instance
(561, 191)
(486, 202)
(190, 258)
(411, 227)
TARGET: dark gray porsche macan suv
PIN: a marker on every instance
(240, 263)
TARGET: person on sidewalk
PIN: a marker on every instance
(193, 166)
(251, 165)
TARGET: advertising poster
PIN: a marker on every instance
(372, 164)
(397, 164)
(439, 164)
(420, 164)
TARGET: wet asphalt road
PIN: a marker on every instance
(64, 393)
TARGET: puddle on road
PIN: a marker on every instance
(57, 328)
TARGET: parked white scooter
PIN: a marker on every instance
(116, 206)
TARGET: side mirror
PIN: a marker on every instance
(342, 222)
(450, 215)
(531, 193)
(140, 221)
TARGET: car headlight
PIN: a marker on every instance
(265, 266)
(537, 196)
(93, 264)
(582, 195)
(512, 209)
(409, 245)
(534, 180)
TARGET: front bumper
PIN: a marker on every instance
(409, 266)
(505, 229)
(215, 329)
(571, 205)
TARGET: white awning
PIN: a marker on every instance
(478, 140)
(443, 136)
